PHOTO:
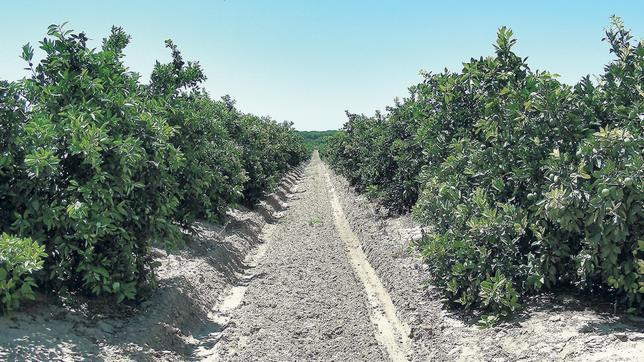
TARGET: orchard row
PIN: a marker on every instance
(528, 184)
(96, 166)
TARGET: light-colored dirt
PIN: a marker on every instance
(392, 333)
(313, 296)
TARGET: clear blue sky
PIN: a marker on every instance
(308, 61)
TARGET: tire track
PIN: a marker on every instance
(393, 334)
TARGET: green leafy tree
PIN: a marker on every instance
(211, 177)
(19, 259)
(527, 183)
(93, 178)
(95, 166)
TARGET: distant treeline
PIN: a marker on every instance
(316, 140)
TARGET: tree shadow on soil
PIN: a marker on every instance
(168, 325)
(554, 304)
(266, 214)
(227, 257)
(274, 202)
(42, 342)
(281, 195)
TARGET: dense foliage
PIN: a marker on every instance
(211, 173)
(96, 166)
(528, 183)
(19, 258)
(268, 148)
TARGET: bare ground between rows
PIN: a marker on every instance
(304, 303)
(190, 281)
(551, 327)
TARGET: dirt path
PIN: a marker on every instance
(313, 295)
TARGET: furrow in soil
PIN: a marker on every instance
(392, 333)
(311, 296)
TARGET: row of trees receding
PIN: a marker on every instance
(95, 166)
(528, 184)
